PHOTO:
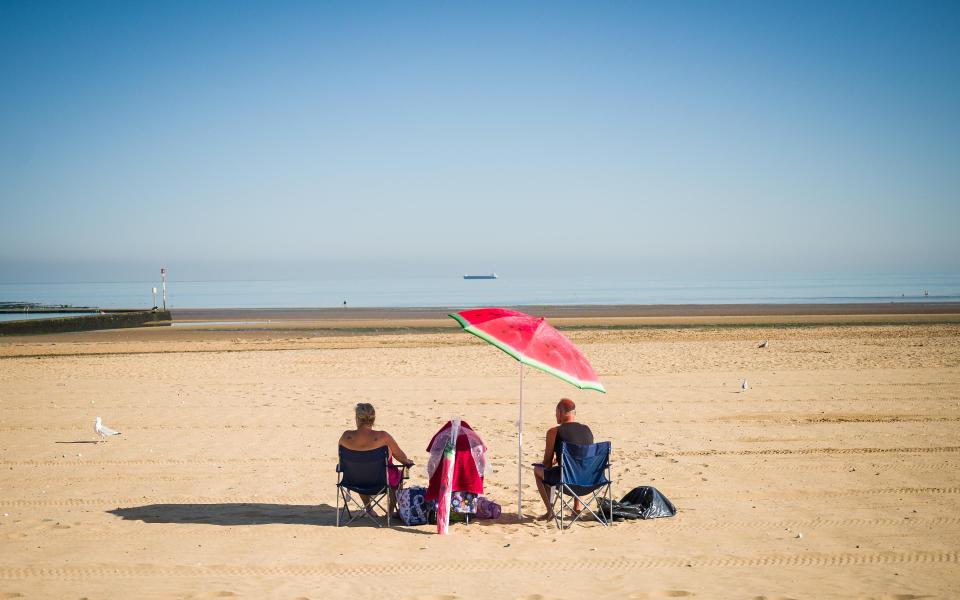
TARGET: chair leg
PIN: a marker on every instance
(586, 501)
(560, 509)
(609, 518)
(561, 504)
(345, 511)
(381, 501)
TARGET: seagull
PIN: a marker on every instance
(763, 344)
(102, 430)
(744, 386)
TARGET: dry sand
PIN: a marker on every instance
(836, 475)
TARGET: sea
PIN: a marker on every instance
(454, 291)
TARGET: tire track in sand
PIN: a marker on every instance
(161, 461)
(320, 527)
(813, 524)
(884, 419)
(808, 451)
(661, 469)
(314, 501)
(163, 427)
(82, 572)
(303, 459)
(171, 500)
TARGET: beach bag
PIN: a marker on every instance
(455, 517)
(413, 510)
(487, 508)
(643, 502)
(463, 502)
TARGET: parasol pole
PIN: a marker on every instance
(446, 478)
(520, 452)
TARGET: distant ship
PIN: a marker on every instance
(490, 276)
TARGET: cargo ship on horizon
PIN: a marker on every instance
(490, 276)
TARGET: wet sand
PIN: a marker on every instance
(279, 324)
(835, 476)
(581, 311)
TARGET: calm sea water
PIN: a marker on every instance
(454, 291)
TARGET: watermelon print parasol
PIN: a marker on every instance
(532, 341)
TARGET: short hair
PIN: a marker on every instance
(566, 406)
(366, 414)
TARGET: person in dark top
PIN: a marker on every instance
(567, 430)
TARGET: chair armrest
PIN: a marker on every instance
(338, 467)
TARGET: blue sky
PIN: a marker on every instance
(302, 137)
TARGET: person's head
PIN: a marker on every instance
(566, 411)
(366, 414)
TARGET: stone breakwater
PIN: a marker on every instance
(115, 320)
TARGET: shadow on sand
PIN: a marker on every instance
(235, 514)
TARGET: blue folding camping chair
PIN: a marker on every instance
(584, 476)
(364, 472)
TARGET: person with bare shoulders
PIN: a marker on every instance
(567, 430)
(365, 437)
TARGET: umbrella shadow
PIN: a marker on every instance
(241, 513)
(80, 442)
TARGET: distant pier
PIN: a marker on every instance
(97, 318)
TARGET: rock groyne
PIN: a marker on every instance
(108, 320)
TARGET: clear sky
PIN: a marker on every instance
(677, 137)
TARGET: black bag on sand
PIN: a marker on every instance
(644, 502)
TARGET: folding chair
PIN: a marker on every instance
(584, 476)
(364, 472)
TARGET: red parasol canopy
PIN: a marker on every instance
(532, 341)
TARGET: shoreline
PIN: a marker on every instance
(577, 311)
(226, 327)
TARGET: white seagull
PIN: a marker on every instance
(102, 430)
(744, 386)
(762, 345)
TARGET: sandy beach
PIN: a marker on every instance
(835, 476)
(224, 225)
